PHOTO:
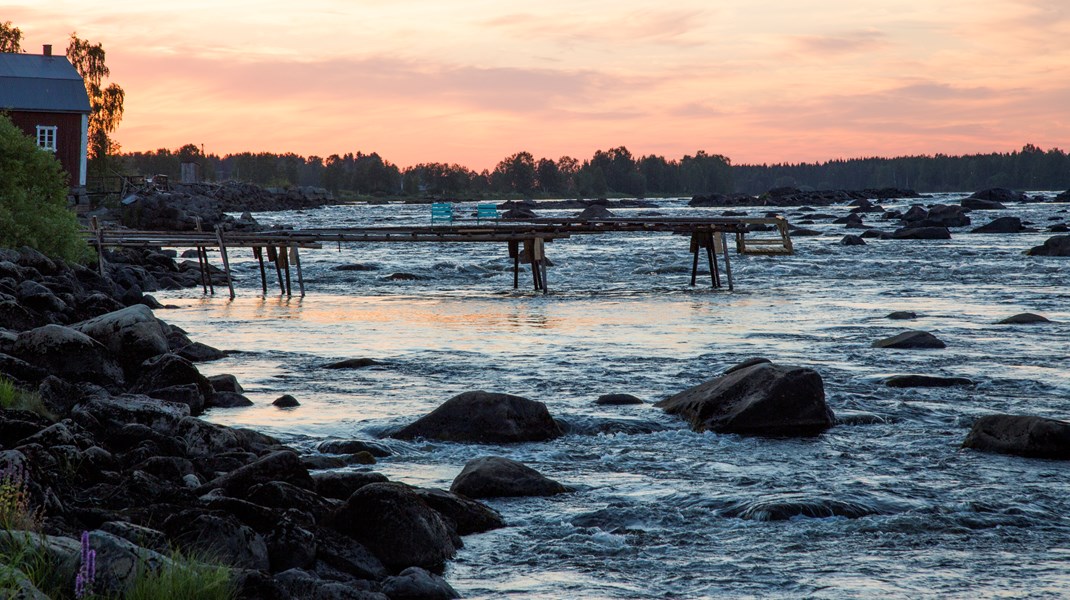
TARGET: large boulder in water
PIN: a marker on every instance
(921, 233)
(1058, 245)
(763, 399)
(909, 340)
(495, 476)
(972, 203)
(487, 418)
(1001, 225)
(1000, 195)
(399, 528)
(596, 211)
(1034, 437)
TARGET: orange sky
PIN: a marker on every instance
(473, 81)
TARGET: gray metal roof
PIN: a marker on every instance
(41, 83)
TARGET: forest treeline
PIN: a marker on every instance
(615, 172)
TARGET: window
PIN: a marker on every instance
(46, 137)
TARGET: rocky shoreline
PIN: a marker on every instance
(116, 450)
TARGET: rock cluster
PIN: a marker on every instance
(184, 207)
(120, 452)
(789, 196)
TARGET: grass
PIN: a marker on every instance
(14, 397)
(186, 577)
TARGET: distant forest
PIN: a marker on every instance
(614, 172)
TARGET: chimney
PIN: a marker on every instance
(48, 50)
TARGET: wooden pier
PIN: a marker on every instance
(526, 242)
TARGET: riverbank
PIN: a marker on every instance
(108, 441)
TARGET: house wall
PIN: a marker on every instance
(68, 137)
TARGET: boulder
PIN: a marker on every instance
(852, 240)
(902, 315)
(282, 465)
(921, 233)
(972, 203)
(353, 447)
(914, 381)
(763, 399)
(345, 554)
(495, 476)
(399, 528)
(1001, 225)
(120, 562)
(485, 417)
(1058, 245)
(115, 412)
(595, 212)
(465, 515)
(910, 340)
(132, 334)
(167, 370)
(1000, 195)
(225, 383)
(187, 393)
(1024, 319)
(221, 536)
(198, 352)
(286, 401)
(353, 363)
(944, 215)
(342, 484)
(415, 583)
(617, 400)
(228, 400)
(69, 354)
(1033, 437)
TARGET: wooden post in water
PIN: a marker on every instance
(694, 251)
(202, 258)
(540, 250)
(727, 264)
(514, 253)
(258, 252)
(707, 240)
(226, 261)
(273, 256)
(284, 259)
(296, 256)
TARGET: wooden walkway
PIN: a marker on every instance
(526, 242)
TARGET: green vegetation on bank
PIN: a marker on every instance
(33, 199)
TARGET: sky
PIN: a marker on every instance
(474, 81)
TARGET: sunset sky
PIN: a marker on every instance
(472, 81)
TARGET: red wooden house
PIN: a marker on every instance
(45, 97)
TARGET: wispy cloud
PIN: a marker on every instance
(839, 44)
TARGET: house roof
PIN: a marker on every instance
(34, 82)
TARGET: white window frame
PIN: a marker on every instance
(46, 137)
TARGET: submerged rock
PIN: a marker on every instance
(495, 476)
(1033, 437)
(762, 399)
(1024, 319)
(913, 381)
(617, 400)
(902, 315)
(286, 401)
(921, 233)
(353, 363)
(852, 240)
(910, 340)
(485, 417)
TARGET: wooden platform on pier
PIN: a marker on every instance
(526, 241)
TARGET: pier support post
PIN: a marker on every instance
(295, 255)
(284, 260)
(258, 252)
(273, 256)
(695, 244)
(727, 263)
(514, 253)
(226, 261)
(711, 258)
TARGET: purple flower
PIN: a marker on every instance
(83, 582)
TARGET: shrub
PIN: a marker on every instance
(33, 199)
(11, 396)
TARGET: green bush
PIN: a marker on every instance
(33, 199)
